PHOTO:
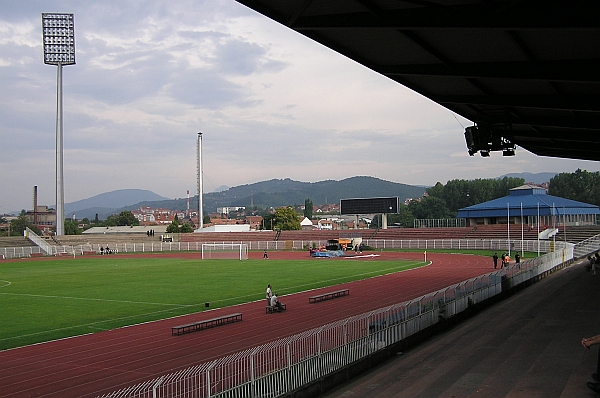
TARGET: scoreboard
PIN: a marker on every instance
(369, 206)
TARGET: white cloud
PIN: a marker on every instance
(271, 104)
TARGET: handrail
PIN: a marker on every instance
(42, 244)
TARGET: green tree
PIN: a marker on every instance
(72, 227)
(179, 227)
(186, 228)
(18, 225)
(123, 218)
(173, 228)
(430, 208)
(457, 194)
(308, 208)
(111, 221)
(404, 217)
(583, 186)
(505, 184)
(268, 222)
(286, 219)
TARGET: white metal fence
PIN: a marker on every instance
(587, 246)
(43, 248)
(285, 365)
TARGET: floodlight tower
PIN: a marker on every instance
(59, 49)
(199, 170)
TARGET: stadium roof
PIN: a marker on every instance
(526, 73)
(531, 200)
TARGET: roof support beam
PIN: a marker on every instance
(584, 102)
(525, 16)
(582, 71)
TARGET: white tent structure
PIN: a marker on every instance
(306, 223)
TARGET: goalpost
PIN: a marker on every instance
(224, 250)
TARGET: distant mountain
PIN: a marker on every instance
(108, 203)
(221, 188)
(275, 193)
(537, 178)
(271, 193)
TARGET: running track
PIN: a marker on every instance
(95, 364)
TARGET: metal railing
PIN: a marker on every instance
(587, 246)
(284, 365)
(41, 243)
(540, 246)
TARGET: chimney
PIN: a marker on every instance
(35, 205)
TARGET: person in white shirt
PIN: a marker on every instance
(269, 295)
(275, 302)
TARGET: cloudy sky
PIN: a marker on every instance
(270, 103)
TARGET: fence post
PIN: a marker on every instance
(288, 377)
(252, 381)
(319, 359)
(208, 382)
(155, 386)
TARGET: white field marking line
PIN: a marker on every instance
(6, 283)
(91, 325)
(91, 299)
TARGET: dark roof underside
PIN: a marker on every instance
(526, 73)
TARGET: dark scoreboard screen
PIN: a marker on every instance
(369, 206)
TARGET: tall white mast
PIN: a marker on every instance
(187, 210)
(199, 170)
(58, 34)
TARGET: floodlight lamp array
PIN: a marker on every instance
(59, 38)
(484, 139)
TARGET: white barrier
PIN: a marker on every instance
(377, 244)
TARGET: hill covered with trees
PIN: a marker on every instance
(287, 192)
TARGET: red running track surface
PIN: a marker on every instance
(98, 363)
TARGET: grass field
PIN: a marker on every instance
(52, 299)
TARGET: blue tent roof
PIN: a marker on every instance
(530, 199)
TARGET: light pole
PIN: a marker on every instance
(58, 31)
(200, 188)
(508, 226)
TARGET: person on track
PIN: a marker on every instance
(269, 295)
(275, 302)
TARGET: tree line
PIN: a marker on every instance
(582, 186)
(444, 201)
